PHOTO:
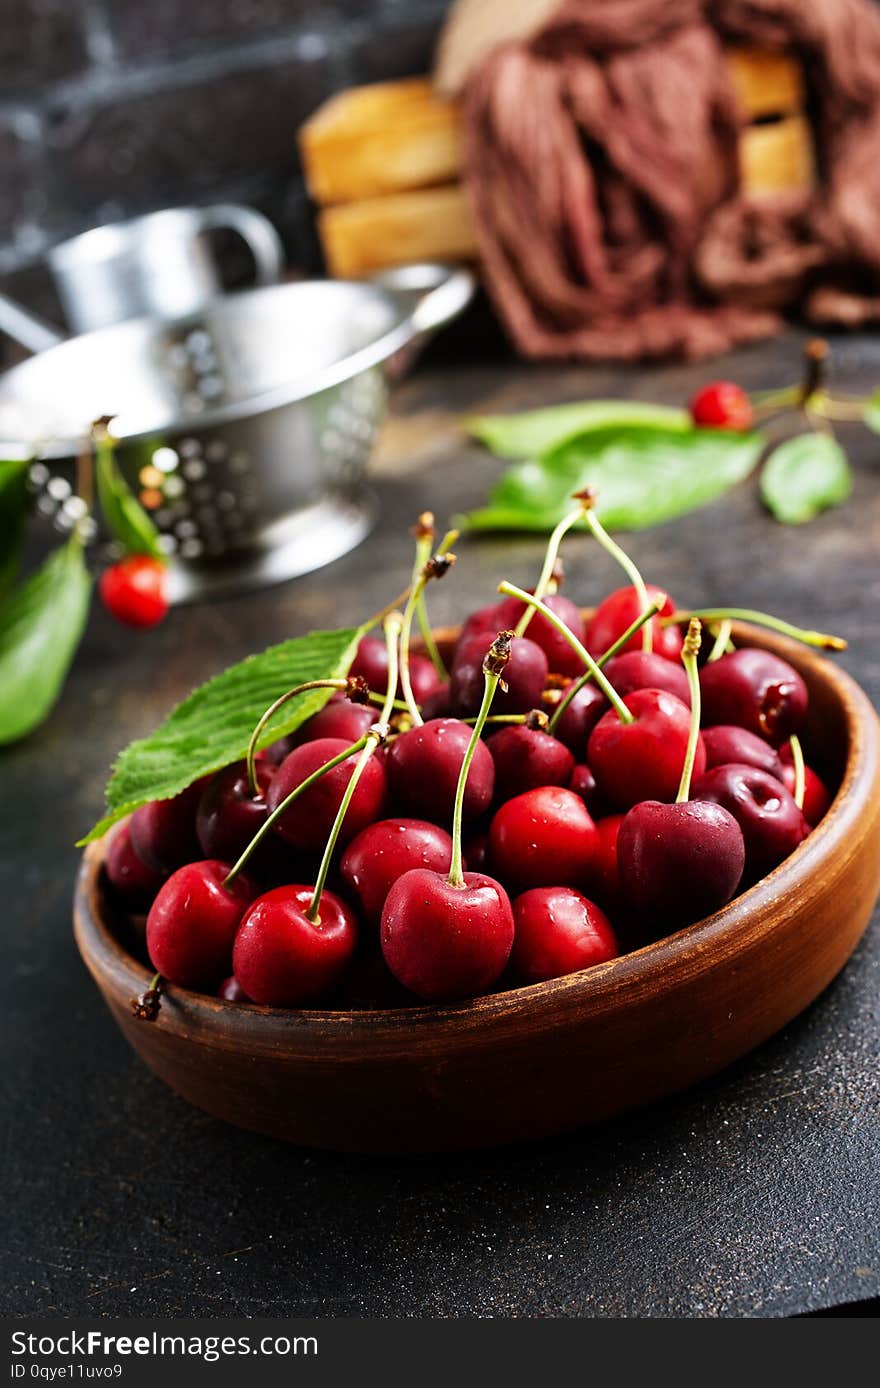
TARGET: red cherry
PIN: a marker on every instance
(338, 718)
(726, 743)
(579, 718)
(134, 590)
(438, 704)
(445, 942)
(646, 670)
(423, 768)
(383, 852)
(605, 872)
(371, 663)
(619, 610)
(231, 990)
(756, 690)
(136, 883)
(476, 852)
(526, 758)
(771, 823)
(485, 620)
(543, 838)
(525, 676)
(163, 833)
(560, 656)
(643, 760)
(817, 798)
(283, 959)
(678, 862)
(558, 932)
(228, 814)
(583, 783)
(192, 923)
(722, 405)
(308, 821)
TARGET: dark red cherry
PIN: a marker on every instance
(384, 851)
(583, 783)
(339, 718)
(756, 690)
(543, 838)
(476, 852)
(605, 873)
(645, 670)
(771, 823)
(307, 822)
(561, 659)
(618, 611)
(678, 862)
(558, 931)
(438, 704)
(192, 923)
(444, 942)
(526, 758)
(484, 620)
(423, 768)
(817, 798)
(727, 743)
(136, 883)
(163, 833)
(525, 675)
(722, 405)
(283, 959)
(228, 813)
(231, 990)
(578, 720)
(643, 760)
(371, 663)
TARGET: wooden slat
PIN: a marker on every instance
(423, 224)
(778, 157)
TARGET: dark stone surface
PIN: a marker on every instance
(41, 41)
(753, 1195)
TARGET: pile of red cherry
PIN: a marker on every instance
(534, 813)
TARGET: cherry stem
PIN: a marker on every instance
(495, 660)
(815, 360)
(620, 708)
(603, 659)
(373, 739)
(763, 619)
(270, 712)
(611, 547)
(146, 1006)
(800, 773)
(689, 652)
(551, 555)
(424, 540)
(722, 641)
(374, 698)
(434, 566)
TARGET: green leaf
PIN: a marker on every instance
(871, 413)
(13, 513)
(803, 476)
(643, 474)
(213, 725)
(533, 432)
(125, 518)
(40, 628)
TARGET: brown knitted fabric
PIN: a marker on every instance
(601, 167)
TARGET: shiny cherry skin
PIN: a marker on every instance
(228, 814)
(583, 783)
(482, 621)
(618, 611)
(163, 833)
(423, 768)
(134, 882)
(526, 758)
(339, 718)
(558, 931)
(578, 720)
(726, 743)
(771, 823)
(444, 942)
(634, 670)
(438, 704)
(231, 990)
(383, 852)
(817, 798)
(543, 838)
(605, 873)
(371, 663)
(678, 863)
(192, 923)
(643, 760)
(525, 676)
(560, 656)
(722, 405)
(134, 590)
(308, 821)
(755, 690)
(283, 959)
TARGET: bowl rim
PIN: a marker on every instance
(725, 927)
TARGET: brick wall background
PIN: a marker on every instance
(113, 107)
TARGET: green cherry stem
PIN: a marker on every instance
(800, 774)
(435, 566)
(373, 739)
(722, 641)
(550, 557)
(620, 555)
(689, 652)
(494, 664)
(339, 684)
(762, 619)
(603, 659)
(510, 590)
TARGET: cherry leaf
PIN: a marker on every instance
(534, 432)
(804, 476)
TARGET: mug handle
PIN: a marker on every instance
(255, 230)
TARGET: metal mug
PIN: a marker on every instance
(158, 265)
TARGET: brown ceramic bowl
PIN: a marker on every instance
(553, 1056)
